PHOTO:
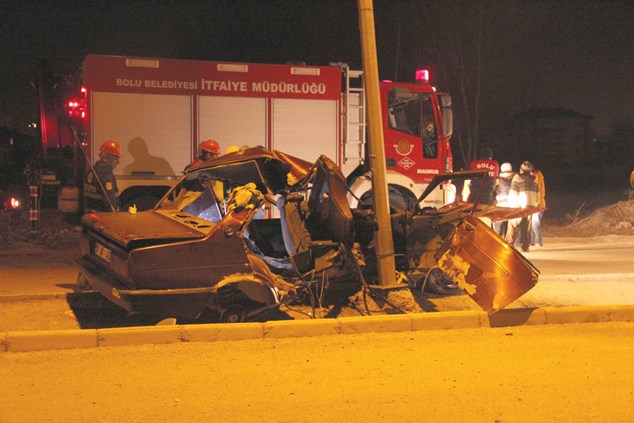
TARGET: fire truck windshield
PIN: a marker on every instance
(413, 114)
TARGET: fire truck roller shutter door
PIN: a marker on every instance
(306, 128)
(232, 120)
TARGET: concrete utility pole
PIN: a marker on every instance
(383, 236)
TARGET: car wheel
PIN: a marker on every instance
(438, 283)
(233, 314)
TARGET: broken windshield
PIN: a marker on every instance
(196, 194)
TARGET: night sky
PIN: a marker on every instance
(574, 54)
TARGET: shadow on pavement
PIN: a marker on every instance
(93, 311)
(511, 317)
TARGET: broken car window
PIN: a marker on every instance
(193, 195)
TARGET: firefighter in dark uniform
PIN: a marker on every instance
(100, 188)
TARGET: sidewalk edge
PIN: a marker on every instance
(21, 341)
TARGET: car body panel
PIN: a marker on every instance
(169, 302)
(219, 253)
(126, 228)
(491, 271)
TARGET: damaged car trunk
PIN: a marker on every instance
(195, 251)
(188, 253)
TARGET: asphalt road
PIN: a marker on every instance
(585, 257)
(567, 373)
(546, 373)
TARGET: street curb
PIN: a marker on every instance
(91, 338)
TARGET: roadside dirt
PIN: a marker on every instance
(614, 219)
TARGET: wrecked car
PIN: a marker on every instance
(194, 251)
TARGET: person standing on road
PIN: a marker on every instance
(100, 187)
(536, 223)
(524, 193)
(502, 189)
(472, 188)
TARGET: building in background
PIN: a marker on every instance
(556, 138)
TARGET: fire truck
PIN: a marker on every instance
(159, 110)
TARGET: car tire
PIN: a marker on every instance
(233, 314)
(438, 283)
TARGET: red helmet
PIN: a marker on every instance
(210, 146)
(111, 147)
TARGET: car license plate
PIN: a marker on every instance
(103, 252)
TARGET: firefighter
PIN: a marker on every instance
(100, 188)
(209, 149)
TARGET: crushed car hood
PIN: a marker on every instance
(125, 228)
